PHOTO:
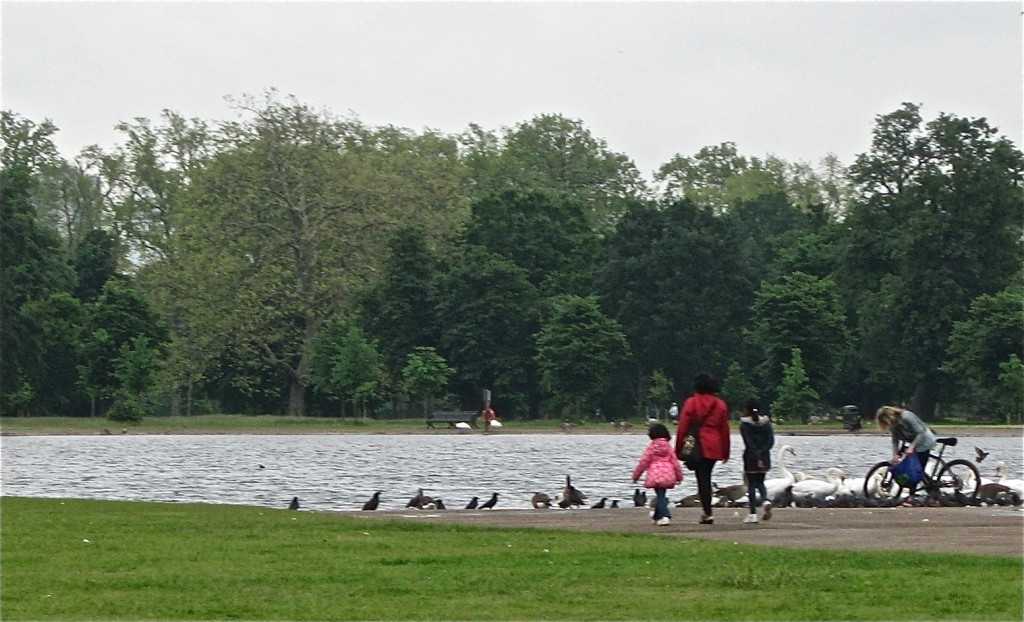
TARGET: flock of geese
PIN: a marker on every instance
(787, 489)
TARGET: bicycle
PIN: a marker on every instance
(956, 479)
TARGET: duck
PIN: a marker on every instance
(372, 504)
(816, 489)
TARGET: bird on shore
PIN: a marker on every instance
(421, 501)
(373, 502)
(615, 504)
(472, 503)
(600, 504)
(490, 503)
(439, 504)
(571, 496)
(294, 505)
(639, 498)
(540, 500)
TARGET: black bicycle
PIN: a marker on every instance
(957, 480)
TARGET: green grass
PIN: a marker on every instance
(106, 560)
(267, 424)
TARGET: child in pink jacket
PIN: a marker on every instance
(663, 470)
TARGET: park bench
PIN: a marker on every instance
(451, 417)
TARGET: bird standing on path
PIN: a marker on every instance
(294, 505)
(373, 502)
(472, 503)
(540, 500)
(600, 504)
(490, 503)
(639, 498)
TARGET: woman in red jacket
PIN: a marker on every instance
(705, 409)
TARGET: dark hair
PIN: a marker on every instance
(753, 408)
(658, 430)
(705, 383)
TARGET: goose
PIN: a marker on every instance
(421, 501)
(571, 496)
(373, 502)
(490, 503)
(817, 489)
(776, 486)
(730, 495)
(540, 500)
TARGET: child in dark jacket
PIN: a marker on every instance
(758, 439)
(663, 470)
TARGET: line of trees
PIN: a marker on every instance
(290, 261)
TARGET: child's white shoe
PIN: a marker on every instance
(751, 518)
(767, 510)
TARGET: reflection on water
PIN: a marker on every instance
(340, 472)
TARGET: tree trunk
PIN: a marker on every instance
(297, 399)
(924, 401)
(175, 402)
(188, 398)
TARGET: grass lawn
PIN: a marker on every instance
(275, 424)
(69, 559)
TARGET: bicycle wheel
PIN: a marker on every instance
(960, 480)
(879, 483)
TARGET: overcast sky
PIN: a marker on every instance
(653, 79)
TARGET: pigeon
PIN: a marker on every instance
(472, 503)
(490, 503)
(540, 500)
(639, 498)
(980, 454)
(294, 505)
(373, 502)
(600, 504)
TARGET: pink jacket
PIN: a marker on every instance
(661, 464)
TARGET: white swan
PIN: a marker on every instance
(1016, 484)
(818, 489)
(855, 485)
(776, 486)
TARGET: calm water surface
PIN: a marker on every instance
(340, 472)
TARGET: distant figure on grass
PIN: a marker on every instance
(294, 505)
(663, 470)
(758, 440)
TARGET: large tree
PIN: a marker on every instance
(937, 223)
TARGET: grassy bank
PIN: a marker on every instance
(272, 424)
(88, 560)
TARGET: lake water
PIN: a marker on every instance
(340, 472)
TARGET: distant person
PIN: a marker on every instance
(663, 471)
(489, 416)
(706, 410)
(673, 413)
(758, 440)
(904, 426)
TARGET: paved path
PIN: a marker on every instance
(971, 530)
